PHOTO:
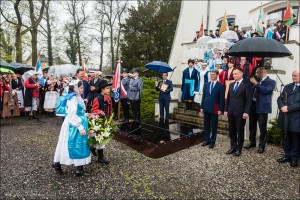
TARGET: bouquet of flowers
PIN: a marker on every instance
(100, 130)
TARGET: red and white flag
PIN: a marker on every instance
(117, 87)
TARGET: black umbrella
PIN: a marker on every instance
(258, 47)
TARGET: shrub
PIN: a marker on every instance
(149, 94)
(274, 134)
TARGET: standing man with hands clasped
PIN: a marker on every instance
(237, 108)
(290, 106)
(213, 105)
(164, 87)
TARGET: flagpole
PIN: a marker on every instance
(119, 105)
(287, 32)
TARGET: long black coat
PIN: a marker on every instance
(239, 103)
(97, 91)
(293, 106)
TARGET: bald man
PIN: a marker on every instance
(292, 109)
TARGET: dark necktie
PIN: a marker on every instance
(235, 87)
(211, 87)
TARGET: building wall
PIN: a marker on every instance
(190, 20)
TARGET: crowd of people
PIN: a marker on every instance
(277, 31)
(239, 88)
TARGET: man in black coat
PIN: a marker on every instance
(237, 108)
(16, 83)
(123, 95)
(290, 124)
(94, 86)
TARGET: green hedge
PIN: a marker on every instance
(274, 135)
(149, 94)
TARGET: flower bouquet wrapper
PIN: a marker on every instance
(100, 130)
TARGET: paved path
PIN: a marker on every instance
(27, 150)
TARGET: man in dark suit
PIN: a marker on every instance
(86, 88)
(261, 106)
(237, 108)
(16, 83)
(94, 86)
(164, 87)
(213, 105)
(290, 124)
(123, 95)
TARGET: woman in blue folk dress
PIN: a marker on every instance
(72, 148)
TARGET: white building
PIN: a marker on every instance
(242, 12)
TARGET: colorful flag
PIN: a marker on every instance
(117, 87)
(85, 72)
(260, 26)
(288, 18)
(224, 25)
(201, 30)
(38, 67)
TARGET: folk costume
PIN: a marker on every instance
(72, 147)
(189, 84)
(102, 103)
(51, 97)
(203, 78)
(32, 95)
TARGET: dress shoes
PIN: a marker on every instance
(211, 146)
(230, 151)
(205, 144)
(249, 146)
(260, 150)
(294, 163)
(237, 153)
(284, 159)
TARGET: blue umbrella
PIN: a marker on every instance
(158, 66)
(4, 64)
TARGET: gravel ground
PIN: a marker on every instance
(27, 150)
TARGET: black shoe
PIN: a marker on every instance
(34, 115)
(260, 150)
(294, 163)
(205, 144)
(237, 153)
(93, 150)
(249, 146)
(79, 172)
(284, 159)
(211, 146)
(230, 151)
(57, 167)
(101, 158)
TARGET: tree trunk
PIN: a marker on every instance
(49, 38)
(112, 50)
(34, 33)
(101, 53)
(18, 45)
(78, 47)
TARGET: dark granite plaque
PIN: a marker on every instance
(158, 138)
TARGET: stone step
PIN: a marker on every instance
(194, 113)
(194, 106)
(197, 120)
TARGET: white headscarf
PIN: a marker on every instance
(75, 84)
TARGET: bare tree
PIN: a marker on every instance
(76, 7)
(33, 28)
(113, 11)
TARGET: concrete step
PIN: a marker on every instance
(194, 113)
(222, 125)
